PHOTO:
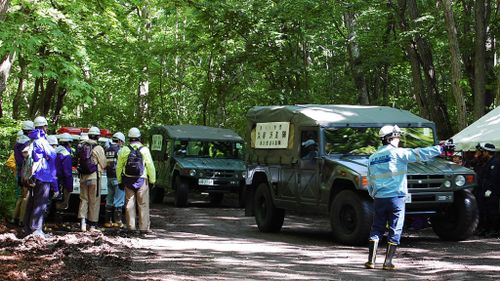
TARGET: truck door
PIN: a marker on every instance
(308, 168)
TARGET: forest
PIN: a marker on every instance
(122, 63)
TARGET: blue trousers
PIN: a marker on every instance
(391, 212)
(116, 196)
(36, 207)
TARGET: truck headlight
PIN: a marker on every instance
(460, 180)
(192, 172)
(244, 174)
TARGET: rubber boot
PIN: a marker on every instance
(372, 254)
(108, 217)
(17, 211)
(24, 203)
(64, 204)
(391, 250)
(118, 218)
(83, 225)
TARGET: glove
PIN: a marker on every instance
(121, 186)
(57, 196)
(487, 193)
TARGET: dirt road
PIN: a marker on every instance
(205, 243)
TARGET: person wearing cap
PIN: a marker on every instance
(310, 149)
(488, 192)
(43, 156)
(115, 199)
(387, 185)
(64, 169)
(54, 186)
(90, 170)
(22, 142)
(136, 187)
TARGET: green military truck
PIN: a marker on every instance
(312, 159)
(198, 159)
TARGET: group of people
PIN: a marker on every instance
(485, 163)
(43, 165)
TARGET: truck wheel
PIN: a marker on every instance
(157, 194)
(181, 192)
(459, 220)
(351, 217)
(215, 198)
(267, 217)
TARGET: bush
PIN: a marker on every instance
(8, 134)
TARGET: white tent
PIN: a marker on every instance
(484, 130)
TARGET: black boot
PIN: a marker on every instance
(372, 254)
(391, 250)
(118, 218)
(108, 217)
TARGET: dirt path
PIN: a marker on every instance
(204, 243)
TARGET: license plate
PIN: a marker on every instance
(205, 181)
(408, 198)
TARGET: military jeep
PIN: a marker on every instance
(198, 159)
(312, 159)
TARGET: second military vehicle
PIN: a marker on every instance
(312, 159)
(199, 159)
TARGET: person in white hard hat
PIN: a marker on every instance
(22, 142)
(54, 186)
(387, 185)
(91, 163)
(64, 168)
(135, 171)
(115, 199)
(43, 156)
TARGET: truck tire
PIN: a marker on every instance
(351, 217)
(459, 220)
(157, 194)
(267, 216)
(215, 198)
(181, 192)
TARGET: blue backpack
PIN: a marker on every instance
(135, 164)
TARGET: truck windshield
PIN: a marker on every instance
(365, 141)
(209, 149)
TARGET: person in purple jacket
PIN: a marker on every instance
(64, 169)
(44, 162)
(22, 142)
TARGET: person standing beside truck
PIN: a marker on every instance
(387, 185)
(91, 163)
(135, 171)
(115, 199)
(64, 169)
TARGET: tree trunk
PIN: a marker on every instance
(355, 59)
(479, 59)
(456, 69)
(61, 93)
(6, 62)
(20, 88)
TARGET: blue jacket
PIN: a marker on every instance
(387, 169)
(44, 157)
(64, 170)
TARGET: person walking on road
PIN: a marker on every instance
(135, 171)
(44, 158)
(387, 185)
(115, 199)
(91, 163)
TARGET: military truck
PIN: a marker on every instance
(283, 177)
(198, 159)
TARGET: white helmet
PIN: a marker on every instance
(120, 136)
(134, 133)
(94, 131)
(52, 140)
(84, 136)
(65, 137)
(40, 121)
(28, 125)
(20, 133)
(389, 131)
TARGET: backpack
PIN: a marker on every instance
(135, 165)
(27, 172)
(112, 157)
(85, 164)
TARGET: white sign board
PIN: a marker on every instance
(272, 135)
(157, 141)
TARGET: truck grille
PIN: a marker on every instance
(425, 181)
(219, 174)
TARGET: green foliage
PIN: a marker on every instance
(8, 132)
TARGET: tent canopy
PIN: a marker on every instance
(484, 130)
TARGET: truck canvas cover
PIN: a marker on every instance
(192, 132)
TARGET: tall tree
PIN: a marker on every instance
(479, 58)
(6, 60)
(456, 69)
